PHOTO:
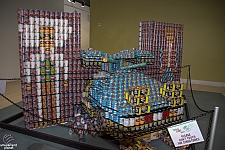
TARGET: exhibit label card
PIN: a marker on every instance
(185, 133)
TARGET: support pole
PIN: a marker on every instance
(213, 128)
(188, 117)
(187, 80)
(185, 103)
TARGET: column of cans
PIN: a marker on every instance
(52, 59)
(142, 37)
(81, 73)
(160, 48)
(47, 43)
(163, 57)
(62, 39)
(41, 65)
(154, 68)
(76, 56)
(179, 46)
(69, 58)
(147, 43)
(157, 44)
(153, 47)
(23, 67)
(72, 64)
(175, 54)
(28, 48)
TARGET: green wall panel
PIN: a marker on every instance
(115, 26)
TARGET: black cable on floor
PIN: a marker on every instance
(11, 101)
(59, 124)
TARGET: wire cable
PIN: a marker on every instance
(11, 101)
(189, 75)
(47, 120)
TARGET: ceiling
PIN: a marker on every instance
(86, 2)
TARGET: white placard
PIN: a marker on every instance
(185, 133)
(2, 86)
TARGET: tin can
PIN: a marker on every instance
(132, 121)
(154, 124)
(20, 12)
(171, 112)
(142, 119)
(175, 111)
(182, 110)
(136, 100)
(126, 122)
(147, 118)
(143, 99)
(155, 116)
(137, 120)
(160, 115)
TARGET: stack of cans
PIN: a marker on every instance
(173, 92)
(172, 89)
(132, 102)
(113, 97)
(96, 59)
(52, 77)
(165, 42)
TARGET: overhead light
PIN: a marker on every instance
(73, 1)
(83, 4)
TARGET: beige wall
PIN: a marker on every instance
(85, 21)
(9, 48)
(114, 26)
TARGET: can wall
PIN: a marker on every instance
(165, 42)
(9, 55)
(52, 77)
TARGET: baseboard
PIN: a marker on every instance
(11, 80)
(201, 82)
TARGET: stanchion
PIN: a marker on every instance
(187, 80)
(213, 129)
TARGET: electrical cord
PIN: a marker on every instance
(11, 101)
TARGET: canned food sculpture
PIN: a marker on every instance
(130, 94)
(134, 104)
(52, 77)
(165, 42)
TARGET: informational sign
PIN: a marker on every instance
(2, 86)
(185, 133)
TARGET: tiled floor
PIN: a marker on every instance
(13, 92)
